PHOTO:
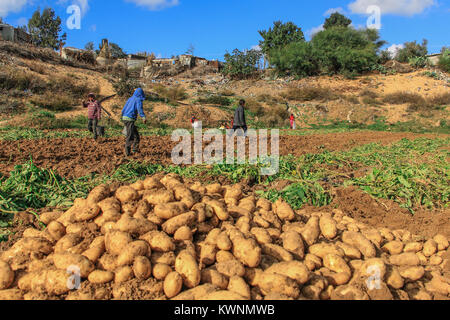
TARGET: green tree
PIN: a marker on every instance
(45, 29)
(337, 20)
(242, 64)
(89, 46)
(298, 58)
(280, 36)
(444, 61)
(412, 50)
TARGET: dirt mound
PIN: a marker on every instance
(163, 238)
(72, 157)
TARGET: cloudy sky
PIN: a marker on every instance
(168, 27)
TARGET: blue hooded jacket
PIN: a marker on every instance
(134, 105)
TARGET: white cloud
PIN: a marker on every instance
(330, 11)
(155, 4)
(397, 7)
(7, 6)
(311, 32)
(393, 50)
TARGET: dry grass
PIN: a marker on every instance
(403, 97)
(310, 94)
(442, 99)
(268, 99)
(173, 94)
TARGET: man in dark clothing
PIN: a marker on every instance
(94, 113)
(239, 117)
(132, 108)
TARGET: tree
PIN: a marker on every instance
(190, 50)
(116, 51)
(412, 50)
(23, 28)
(242, 64)
(337, 20)
(280, 36)
(298, 58)
(45, 29)
(89, 46)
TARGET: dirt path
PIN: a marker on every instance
(73, 157)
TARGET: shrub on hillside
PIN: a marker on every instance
(298, 58)
(125, 87)
(403, 97)
(444, 61)
(53, 102)
(171, 94)
(216, 100)
(412, 50)
(242, 64)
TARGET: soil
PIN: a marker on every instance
(75, 157)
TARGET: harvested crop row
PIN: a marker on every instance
(161, 238)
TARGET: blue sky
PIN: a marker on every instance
(168, 27)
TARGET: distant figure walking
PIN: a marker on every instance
(94, 113)
(194, 122)
(292, 121)
(239, 118)
(130, 111)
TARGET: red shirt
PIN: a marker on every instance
(94, 110)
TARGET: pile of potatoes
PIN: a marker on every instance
(164, 238)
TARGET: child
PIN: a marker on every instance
(194, 122)
(94, 113)
(292, 121)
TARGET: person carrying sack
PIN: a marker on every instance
(130, 111)
(94, 113)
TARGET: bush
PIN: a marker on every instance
(310, 94)
(444, 61)
(53, 102)
(21, 81)
(171, 94)
(299, 58)
(412, 50)
(403, 97)
(125, 87)
(242, 64)
(216, 100)
(418, 62)
(253, 106)
(442, 99)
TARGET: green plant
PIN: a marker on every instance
(125, 87)
(242, 64)
(418, 62)
(412, 50)
(281, 35)
(444, 61)
(217, 100)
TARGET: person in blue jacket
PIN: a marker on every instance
(130, 111)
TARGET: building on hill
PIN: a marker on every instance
(9, 33)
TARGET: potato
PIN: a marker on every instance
(360, 242)
(374, 267)
(126, 194)
(277, 283)
(169, 210)
(218, 208)
(131, 251)
(56, 230)
(441, 241)
(393, 278)
(98, 194)
(173, 283)
(261, 235)
(435, 260)
(438, 285)
(393, 247)
(261, 222)
(183, 234)
(142, 268)
(214, 277)
(48, 217)
(214, 188)
(116, 241)
(405, 259)
(196, 293)
(96, 249)
(234, 192)
(163, 257)
(312, 262)
(159, 241)
(413, 247)
(134, 226)
(86, 213)
(349, 251)
(238, 285)
(152, 183)
(11, 295)
(283, 210)
(412, 273)
(264, 204)
(336, 263)
(183, 194)
(348, 292)
(277, 252)
(161, 196)
(6, 275)
(53, 282)
(223, 295)
(430, 248)
(108, 227)
(322, 249)
(291, 269)
(373, 235)
(123, 274)
(185, 219)
(187, 267)
(328, 227)
(27, 245)
(247, 251)
(222, 256)
(231, 268)
(171, 181)
(311, 231)
(161, 270)
(100, 277)
(207, 253)
(64, 261)
(243, 224)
